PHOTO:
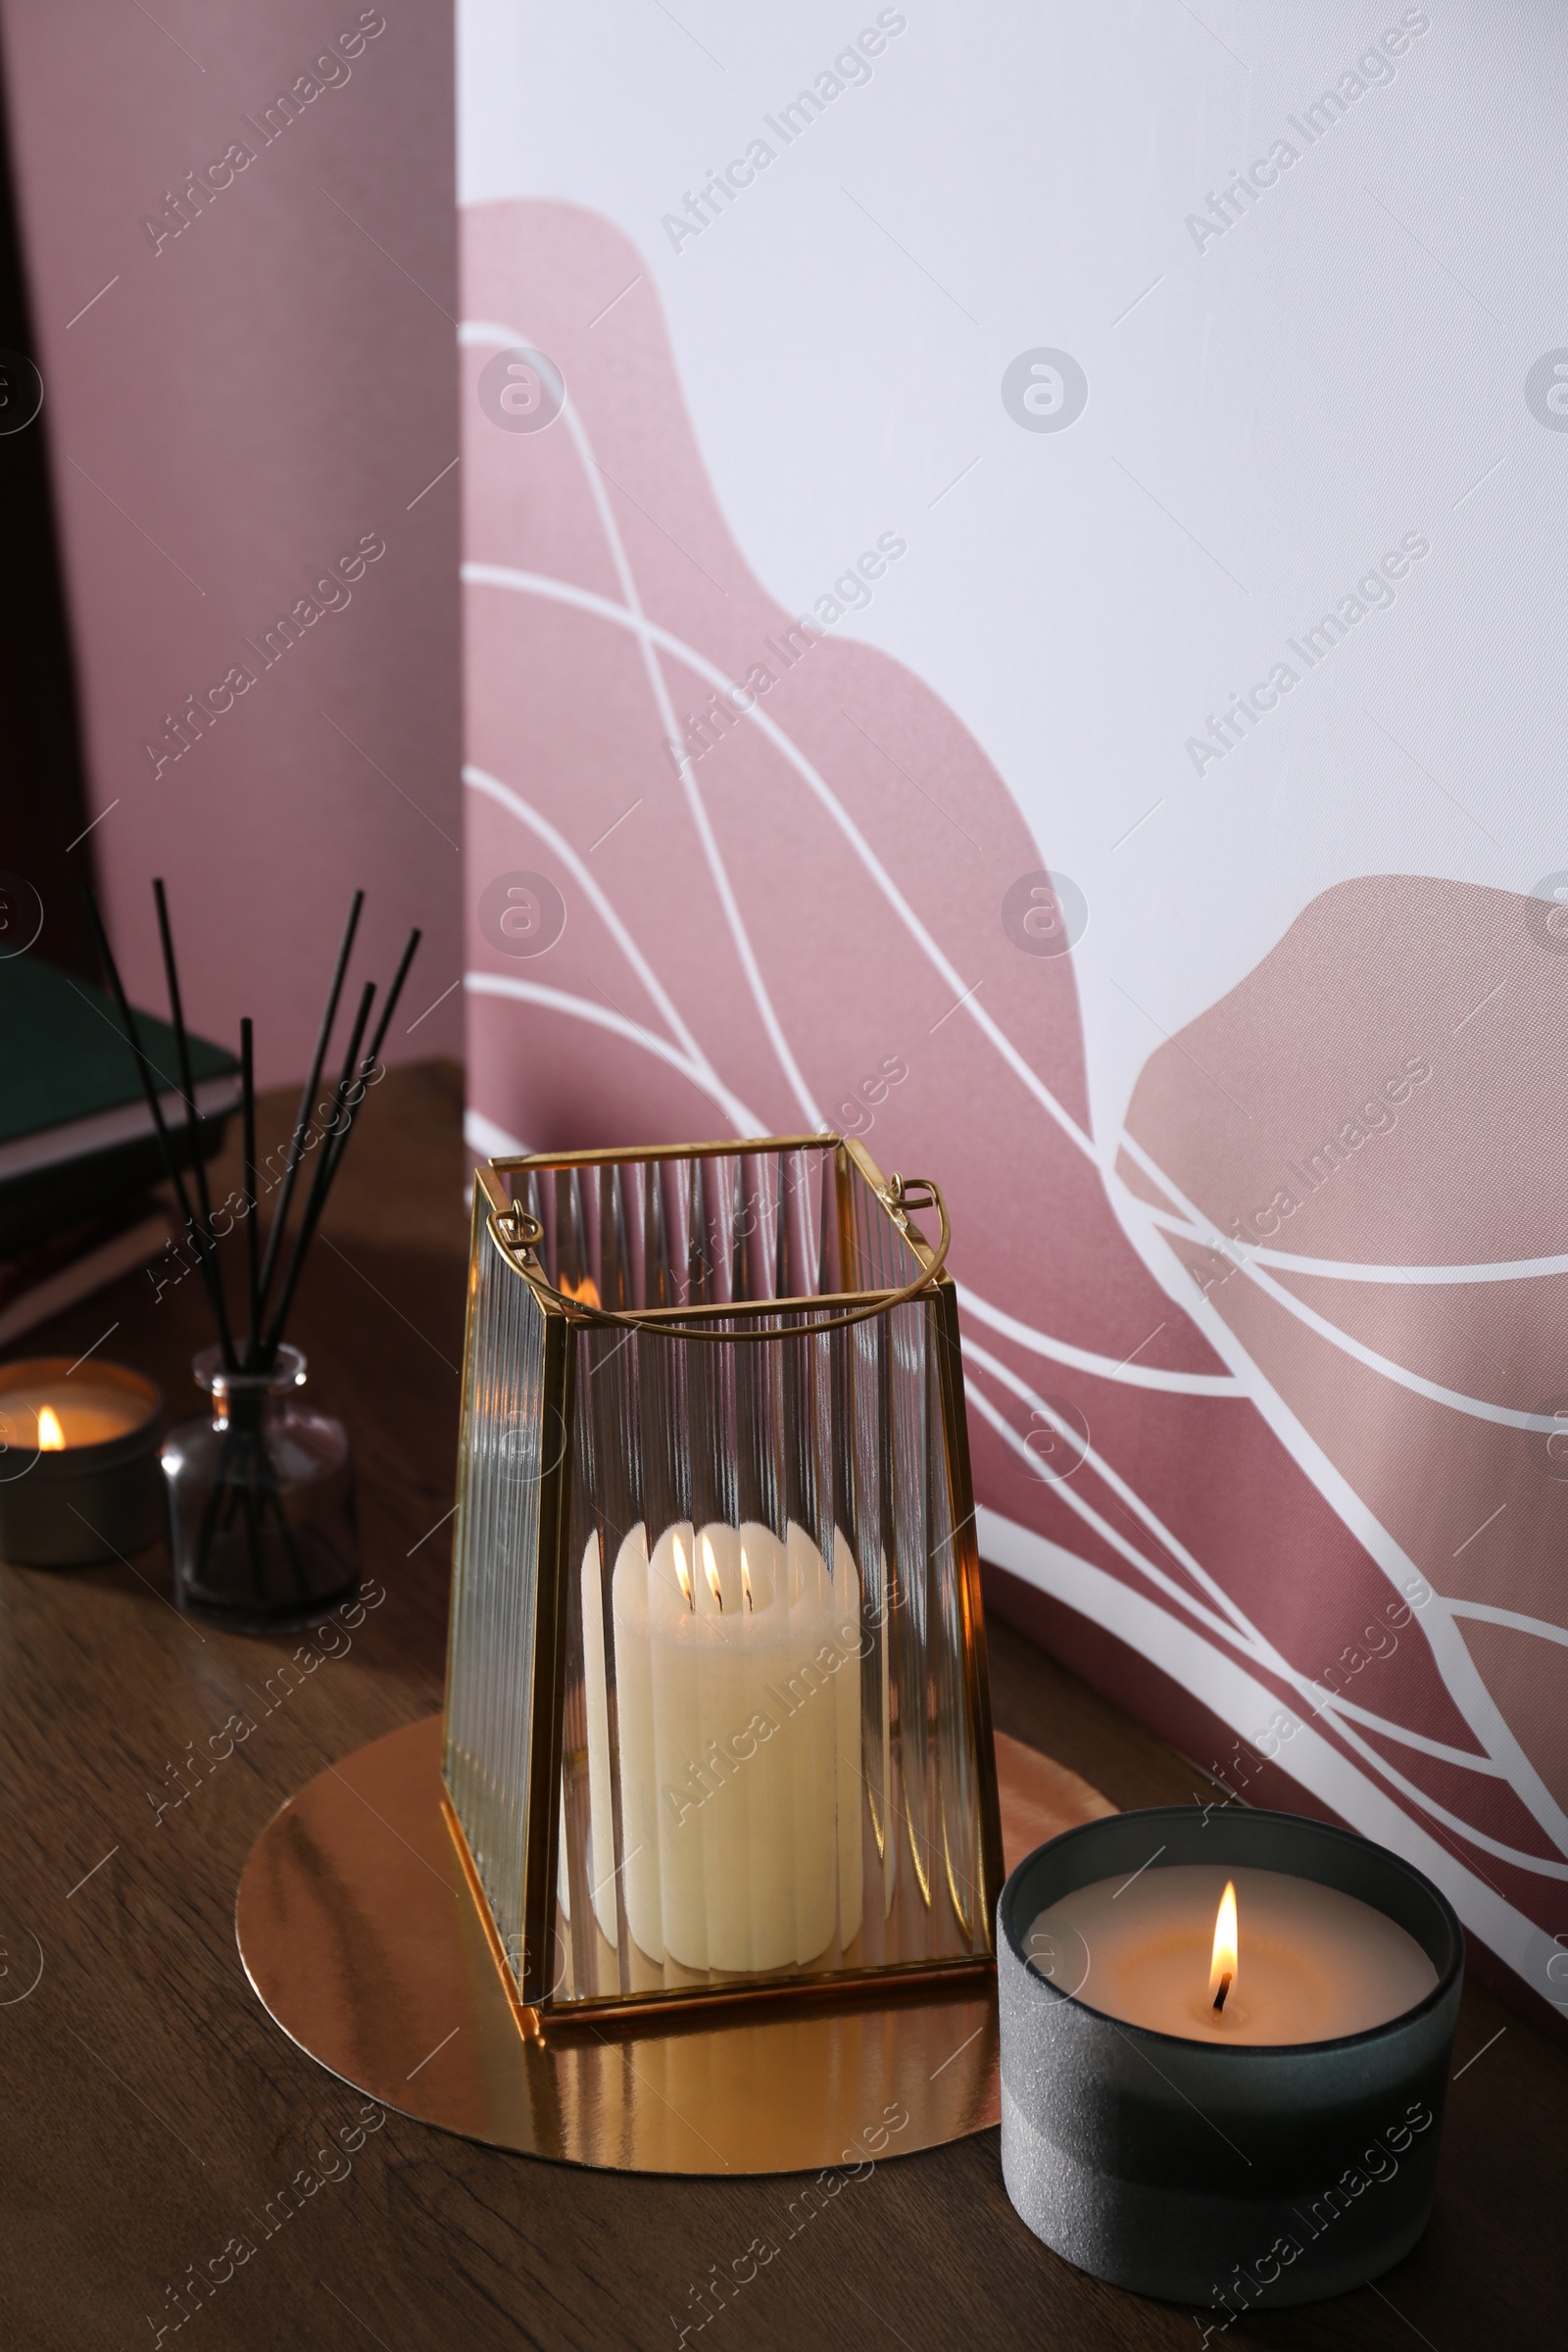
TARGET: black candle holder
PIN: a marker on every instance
(84, 1503)
(1223, 2175)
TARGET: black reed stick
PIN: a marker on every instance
(410, 950)
(201, 1244)
(349, 1096)
(247, 1079)
(226, 1336)
(264, 1332)
(373, 1053)
(302, 1125)
(348, 1109)
(321, 1178)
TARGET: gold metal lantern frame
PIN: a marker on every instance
(716, 1721)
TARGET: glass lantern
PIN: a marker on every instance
(717, 1717)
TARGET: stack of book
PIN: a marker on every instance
(77, 1151)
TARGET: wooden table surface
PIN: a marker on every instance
(149, 2109)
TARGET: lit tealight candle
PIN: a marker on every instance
(1164, 1951)
(79, 1477)
(60, 1419)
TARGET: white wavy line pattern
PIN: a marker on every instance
(603, 1016)
(1104, 1367)
(1358, 1269)
(532, 583)
(1538, 1865)
(702, 1070)
(481, 332)
(1457, 1668)
(1241, 1630)
(1480, 1408)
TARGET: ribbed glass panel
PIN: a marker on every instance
(769, 1763)
(495, 1579)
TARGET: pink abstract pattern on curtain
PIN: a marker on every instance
(1265, 1387)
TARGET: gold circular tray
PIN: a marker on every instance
(358, 1931)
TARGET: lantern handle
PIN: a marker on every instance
(518, 1233)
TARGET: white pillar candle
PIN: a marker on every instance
(600, 1854)
(738, 1679)
(1312, 1964)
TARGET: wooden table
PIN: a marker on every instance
(149, 2109)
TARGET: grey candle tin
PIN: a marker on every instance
(87, 1502)
(1225, 2175)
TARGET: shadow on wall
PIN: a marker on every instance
(44, 798)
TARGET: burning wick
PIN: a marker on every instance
(746, 1579)
(711, 1571)
(1223, 1963)
(51, 1437)
(683, 1572)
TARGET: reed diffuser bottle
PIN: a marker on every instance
(260, 1488)
(261, 1499)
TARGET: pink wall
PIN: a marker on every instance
(267, 391)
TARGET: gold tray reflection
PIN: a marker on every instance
(358, 1931)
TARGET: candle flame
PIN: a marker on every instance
(711, 1571)
(1223, 1966)
(585, 1291)
(746, 1578)
(51, 1437)
(682, 1571)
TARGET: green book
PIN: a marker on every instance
(75, 1132)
